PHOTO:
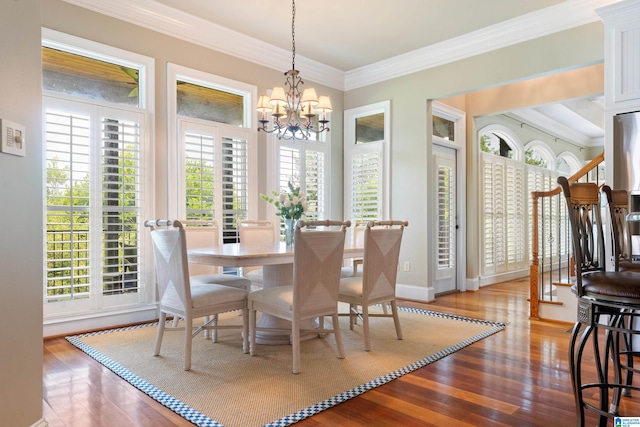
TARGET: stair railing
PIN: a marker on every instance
(551, 261)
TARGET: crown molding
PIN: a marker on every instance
(175, 23)
(158, 17)
(566, 15)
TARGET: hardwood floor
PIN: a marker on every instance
(517, 377)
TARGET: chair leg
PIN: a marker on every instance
(365, 327)
(252, 332)
(160, 333)
(352, 316)
(295, 341)
(188, 341)
(338, 334)
(396, 318)
(245, 331)
(575, 362)
(214, 331)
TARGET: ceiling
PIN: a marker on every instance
(355, 33)
(352, 43)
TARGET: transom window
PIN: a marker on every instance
(366, 162)
(216, 179)
(96, 176)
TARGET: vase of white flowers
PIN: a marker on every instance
(290, 206)
(289, 224)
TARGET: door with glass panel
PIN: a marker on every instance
(444, 162)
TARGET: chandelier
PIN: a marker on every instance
(294, 115)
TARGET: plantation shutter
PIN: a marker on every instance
(68, 238)
(121, 179)
(446, 220)
(94, 182)
(235, 185)
(515, 209)
(215, 174)
(289, 166)
(495, 235)
(315, 183)
(366, 185)
(199, 175)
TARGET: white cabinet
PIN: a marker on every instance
(622, 54)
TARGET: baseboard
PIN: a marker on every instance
(472, 284)
(70, 325)
(40, 423)
(503, 277)
(416, 293)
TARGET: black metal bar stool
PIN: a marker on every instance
(608, 301)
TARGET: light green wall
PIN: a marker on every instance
(411, 178)
(21, 218)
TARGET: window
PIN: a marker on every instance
(366, 159)
(216, 155)
(305, 164)
(215, 174)
(504, 213)
(95, 177)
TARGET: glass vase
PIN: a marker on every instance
(289, 225)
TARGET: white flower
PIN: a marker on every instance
(282, 197)
(295, 200)
(287, 203)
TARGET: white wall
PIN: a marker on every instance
(21, 218)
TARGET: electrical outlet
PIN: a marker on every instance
(407, 266)
(11, 138)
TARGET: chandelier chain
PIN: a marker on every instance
(293, 35)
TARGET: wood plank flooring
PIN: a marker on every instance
(517, 377)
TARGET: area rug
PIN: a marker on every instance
(228, 388)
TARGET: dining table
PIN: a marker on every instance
(276, 260)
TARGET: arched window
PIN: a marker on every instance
(537, 153)
(567, 163)
(500, 141)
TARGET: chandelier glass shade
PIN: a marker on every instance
(294, 113)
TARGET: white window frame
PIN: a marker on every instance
(445, 111)
(79, 315)
(351, 149)
(274, 174)
(175, 202)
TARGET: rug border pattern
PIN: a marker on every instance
(202, 420)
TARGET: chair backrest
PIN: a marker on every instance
(618, 204)
(357, 233)
(257, 232)
(170, 258)
(382, 240)
(317, 263)
(585, 219)
(202, 234)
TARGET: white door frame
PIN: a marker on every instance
(459, 145)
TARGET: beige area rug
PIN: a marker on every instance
(228, 388)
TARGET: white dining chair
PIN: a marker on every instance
(180, 298)
(203, 234)
(377, 285)
(314, 293)
(255, 232)
(356, 240)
